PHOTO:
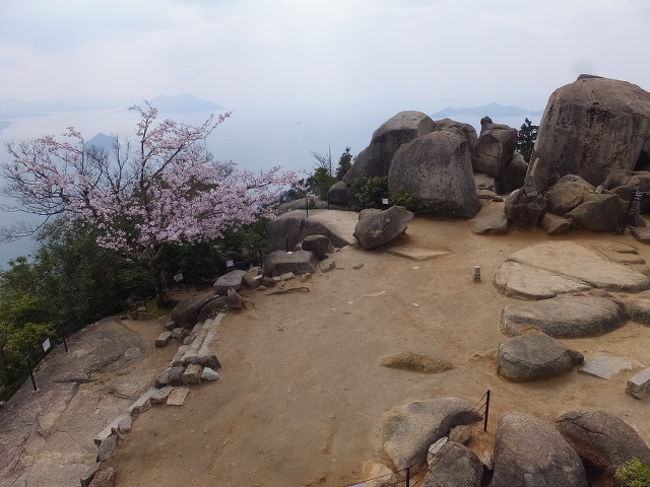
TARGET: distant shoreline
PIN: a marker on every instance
(4, 124)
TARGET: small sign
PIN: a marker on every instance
(46, 345)
(384, 201)
(178, 277)
(230, 263)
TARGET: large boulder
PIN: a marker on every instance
(299, 262)
(547, 269)
(495, 148)
(437, 169)
(378, 228)
(525, 208)
(409, 430)
(564, 316)
(453, 464)
(340, 194)
(230, 280)
(599, 212)
(289, 230)
(375, 160)
(569, 192)
(603, 440)
(623, 183)
(318, 244)
(531, 357)
(465, 130)
(512, 175)
(591, 127)
(531, 453)
(186, 313)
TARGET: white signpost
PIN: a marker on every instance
(384, 201)
(46, 345)
(230, 263)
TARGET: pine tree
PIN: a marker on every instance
(526, 139)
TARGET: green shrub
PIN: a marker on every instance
(369, 192)
(634, 473)
(425, 207)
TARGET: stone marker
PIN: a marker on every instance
(161, 395)
(177, 396)
(605, 366)
(192, 374)
(106, 447)
(639, 385)
(163, 338)
(209, 374)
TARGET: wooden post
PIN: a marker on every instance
(408, 476)
(487, 410)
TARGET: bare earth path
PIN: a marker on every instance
(301, 395)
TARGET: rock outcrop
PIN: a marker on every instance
(495, 148)
(409, 430)
(375, 160)
(590, 128)
(375, 229)
(290, 229)
(525, 207)
(603, 440)
(530, 452)
(436, 169)
(453, 464)
(465, 130)
(186, 313)
(564, 316)
(535, 356)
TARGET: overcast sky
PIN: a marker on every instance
(331, 54)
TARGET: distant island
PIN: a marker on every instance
(491, 109)
(184, 103)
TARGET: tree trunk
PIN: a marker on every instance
(158, 273)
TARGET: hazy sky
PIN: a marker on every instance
(341, 55)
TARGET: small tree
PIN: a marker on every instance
(167, 189)
(634, 473)
(526, 139)
(345, 163)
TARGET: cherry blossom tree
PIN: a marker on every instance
(165, 188)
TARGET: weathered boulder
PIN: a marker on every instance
(318, 244)
(299, 262)
(230, 280)
(564, 316)
(453, 464)
(525, 209)
(623, 183)
(409, 430)
(547, 269)
(495, 223)
(212, 309)
(377, 229)
(554, 224)
(437, 169)
(105, 477)
(639, 311)
(591, 127)
(512, 175)
(599, 212)
(287, 231)
(340, 194)
(375, 160)
(531, 453)
(603, 440)
(234, 300)
(567, 193)
(465, 130)
(531, 357)
(495, 148)
(186, 312)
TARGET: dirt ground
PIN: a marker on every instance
(301, 394)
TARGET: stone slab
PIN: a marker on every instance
(142, 404)
(417, 253)
(605, 366)
(161, 395)
(177, 396)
